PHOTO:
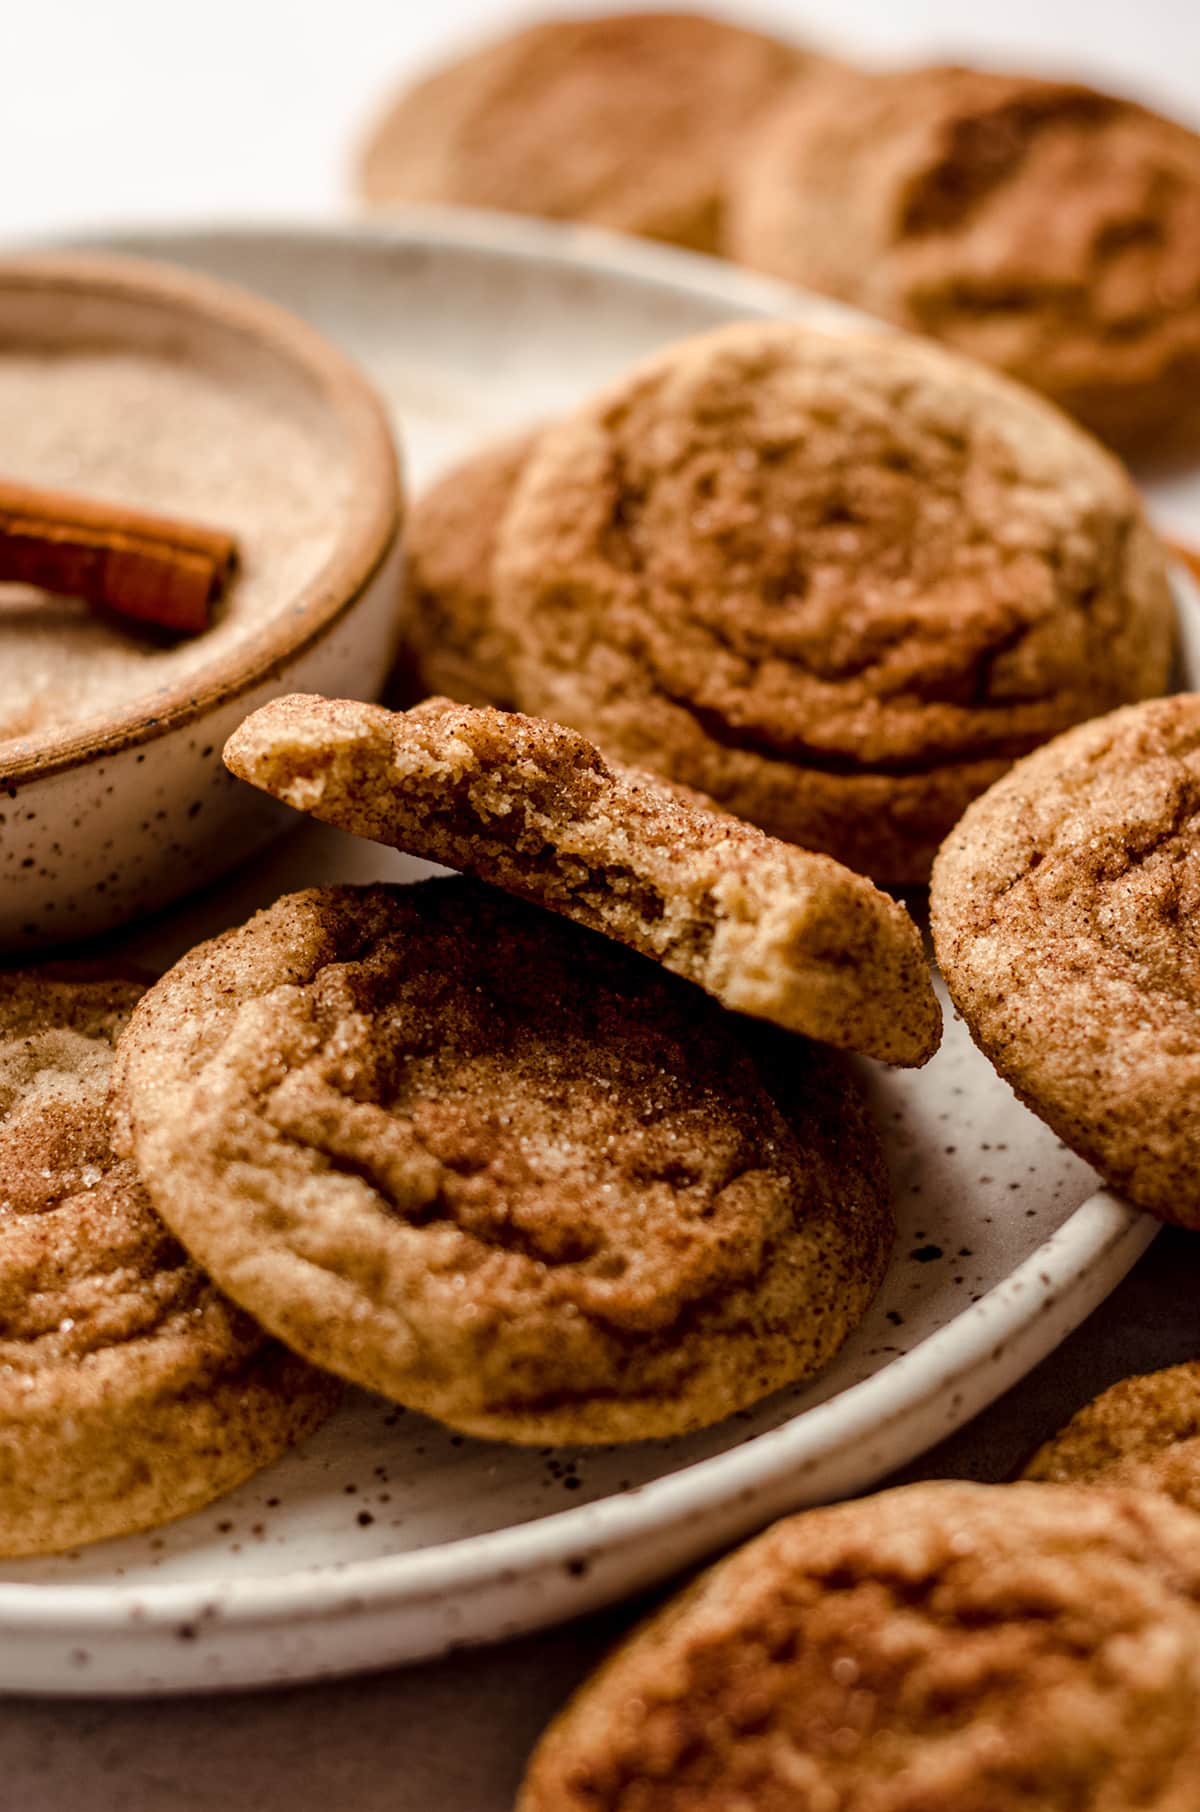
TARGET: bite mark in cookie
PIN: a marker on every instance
(532, 807)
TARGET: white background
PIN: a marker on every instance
(124, 110)
(144, 109)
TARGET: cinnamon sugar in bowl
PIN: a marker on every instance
(156, 390)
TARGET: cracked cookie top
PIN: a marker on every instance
(1038, 225)
(839, 583)
(938, 1648)
(629, 121)
(130, 1389)
(488, 1163)
(1066, 908)
(534, 808)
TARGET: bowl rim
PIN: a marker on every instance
(372, 520)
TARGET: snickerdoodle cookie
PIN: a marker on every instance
(1066, 916)
(630, 121)
(837, 582)
(130, 1391)
(451, 640)
(1143, 1432)
(1032, 223)
(534, 808)
(939, 1648)
(486, 1162)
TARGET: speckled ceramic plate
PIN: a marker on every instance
(388, 1538)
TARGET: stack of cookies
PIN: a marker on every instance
(877, 602)
(837, 583)
(886, 606)
(570, 1146)
(564, 1152)
(1044, 227)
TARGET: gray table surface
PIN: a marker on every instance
(453, 1737)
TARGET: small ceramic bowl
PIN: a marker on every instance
(112, 813)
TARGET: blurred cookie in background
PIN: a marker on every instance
(629, 122)
(1041, 226)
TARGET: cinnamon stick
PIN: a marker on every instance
(152, 569)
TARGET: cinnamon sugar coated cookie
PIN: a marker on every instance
(838, 583)
(1143, 1433)
(487, 1163)
(629, 121)
(939, 1648)
(1035, 224)
(130, 1391)
(1065, 910)
(531, 807)
(452, 643)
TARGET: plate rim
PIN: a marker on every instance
(516, 238)
(1102, 1226)
(1102, 1232)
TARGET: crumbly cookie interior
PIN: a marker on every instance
(534, 808)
